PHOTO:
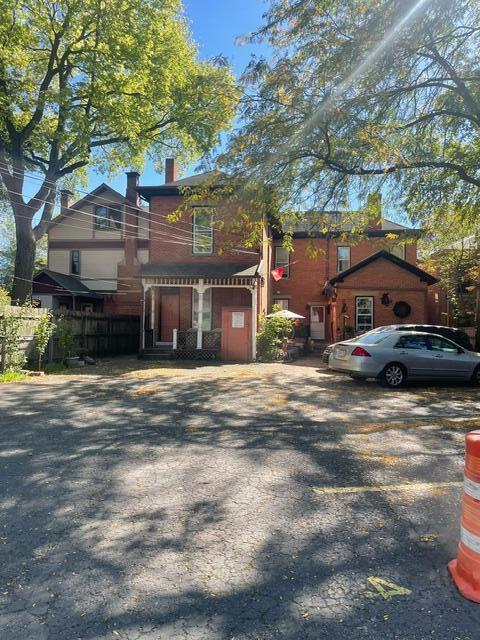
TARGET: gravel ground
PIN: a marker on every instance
(230, 502)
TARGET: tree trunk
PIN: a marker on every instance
(24, 256)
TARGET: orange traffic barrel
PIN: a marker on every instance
(465, 569)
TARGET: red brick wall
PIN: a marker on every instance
(308, 275)
(375, 279)
(162, 250)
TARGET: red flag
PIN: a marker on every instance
(277, 274)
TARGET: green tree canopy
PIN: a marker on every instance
(360, 95)
(99, 83)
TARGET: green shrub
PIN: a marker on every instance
(54, 367)
(42, 334)
(12, 376)
(12, 320)
(65, 337)
(271, 335)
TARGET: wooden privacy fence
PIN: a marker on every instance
(98, 334)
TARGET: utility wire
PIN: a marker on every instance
(39, 178)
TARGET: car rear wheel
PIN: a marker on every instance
(393, 375)
(476, 377)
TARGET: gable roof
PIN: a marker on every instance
(399, 262)
(323, 223)
(72, 284)
(92, 197)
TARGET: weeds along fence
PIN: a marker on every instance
(97, 334)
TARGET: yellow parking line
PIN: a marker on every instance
(408, 486)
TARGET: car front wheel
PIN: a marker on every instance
(476, 377)
(393, 375)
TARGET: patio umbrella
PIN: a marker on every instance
(285, 313)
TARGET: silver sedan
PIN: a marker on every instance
(395, 356)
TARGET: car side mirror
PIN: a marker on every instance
(460, 350)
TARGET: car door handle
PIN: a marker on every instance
(438, 356)
(404, 353)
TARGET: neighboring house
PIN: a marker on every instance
(94, 241)
(200, 292)
(352, 285)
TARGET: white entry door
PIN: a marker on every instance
(317, 323)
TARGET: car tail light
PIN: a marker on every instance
(360, 351)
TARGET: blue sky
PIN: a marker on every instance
(215, 24)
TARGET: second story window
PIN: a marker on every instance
(282, 259)
(75, 262)
(106, 218)
(343, 258)
(203, 231)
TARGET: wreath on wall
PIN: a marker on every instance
(402, 309)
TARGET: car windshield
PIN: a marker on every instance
(374, 337)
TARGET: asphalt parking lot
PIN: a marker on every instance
(231, 501)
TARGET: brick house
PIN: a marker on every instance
(352, 285)
(199, 291)
(195, 296)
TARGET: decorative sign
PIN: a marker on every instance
(238, 319)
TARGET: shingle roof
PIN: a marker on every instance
(67, 282)
(172, 188)
(403, 264)
(199, 270)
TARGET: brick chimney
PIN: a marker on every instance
(65, 200)
(374, 202)
(171, 170)
(131, 194)
(130, 231)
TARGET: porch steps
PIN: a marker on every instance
(161, 351)
(319, 347)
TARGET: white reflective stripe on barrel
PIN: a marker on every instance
(471, 488)
(470, 540)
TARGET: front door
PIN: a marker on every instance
(317, 322)
(169, 315)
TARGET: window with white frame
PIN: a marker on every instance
(282, 259)
(343, 258)
(203, 231)
(364, 313)
(207, 310)
(398, 250)
(281, 302)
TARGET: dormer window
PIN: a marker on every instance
(203, 231)
(107, 218)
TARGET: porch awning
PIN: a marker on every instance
(199, 270)
(211, 274)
